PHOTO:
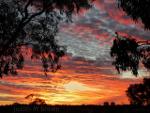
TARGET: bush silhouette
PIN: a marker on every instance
(139, 94)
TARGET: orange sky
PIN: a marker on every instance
(67, 86)
(87, 76)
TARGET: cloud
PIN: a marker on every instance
(87, 62)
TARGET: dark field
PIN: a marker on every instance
(73, 109)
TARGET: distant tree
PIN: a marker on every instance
(16, 104)
(106, 103)
(128, 53)
(139, 94)
(137, 10)
(34, 24)
(38, 101)
(35, 99)
(113, 104)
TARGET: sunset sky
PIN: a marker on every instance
(87, 76)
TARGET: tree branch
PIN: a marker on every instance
(32, 16)
(26, 8)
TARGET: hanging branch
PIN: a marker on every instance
(128, 53)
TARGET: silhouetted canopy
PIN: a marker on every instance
(33, 24)
(128, 53)
(137, 10)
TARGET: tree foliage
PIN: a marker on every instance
(129, 53)
(139, 94)
(137, 10)
(34, 24)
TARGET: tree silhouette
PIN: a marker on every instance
(33, 24)
(137, 10)
(35, 99)
(38, 101)
(139, 94)
(128, 53)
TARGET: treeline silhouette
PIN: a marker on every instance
(18, 108)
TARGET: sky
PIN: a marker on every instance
(87, 76)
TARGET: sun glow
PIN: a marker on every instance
(76, 86)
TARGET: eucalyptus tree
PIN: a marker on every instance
(33, 24)
(128, 53)
(138, 10)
